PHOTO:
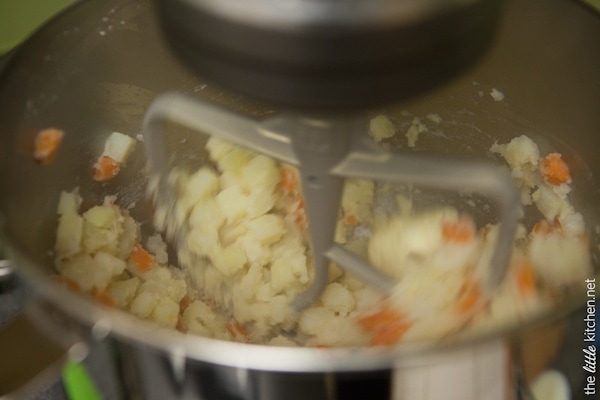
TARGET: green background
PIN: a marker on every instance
(20, 18)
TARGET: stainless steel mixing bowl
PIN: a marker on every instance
(98, 66)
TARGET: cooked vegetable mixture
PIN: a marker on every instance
(247, 256)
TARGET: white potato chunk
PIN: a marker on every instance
(144, 303)
(119, 146)
(175, 289)
(234, 161)
(255, 252)
(250, 282)
(68, 203)
(313, 320)
(165, 313)
(198, 318)
(357, 198)
(230, 260)
(404, 238)
(202, 242)
(282, 275)
(413, 132)
(95, 238)
(232, 202)
(549, 204)
(92, 272)
(288, 268)
(218, 148)
(101, 216)
(518, 152)
(160, 280)
(381, 127)
(201, 185)
(123, 292)
(267, 229)
(331, 333)
(207, 216)
(213, 284)
(113, 265)
(338, 299)
(259, 202)
(560, 259)
(496, 94)
(265, 293)
(261, 171)
(572, 222)
(282, 341)
(157, 246)
(69, 235)
(262, 316)
(129, 237)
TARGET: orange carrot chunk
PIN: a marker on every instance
(459, 231)
(104, 297)
(554, 169)
(386, 326)
(350, 219)
(142, 260)
(525, 278)
(299, 213)
(46, 145)
(469, 298)
(288, 179)
(545, 228)
(68, 283)
(238, 331)
(105, 169)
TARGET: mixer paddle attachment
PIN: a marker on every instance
(326, 151)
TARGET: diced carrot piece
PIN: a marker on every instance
(525, 278)
(460, 231)
(350, 219)
(300, 213)
(105, 169)
(470, 297)
(237, 330)
(288, 179)
(104, 297)
(46, 145)
(554, 169)
(289, 184)
(143, 260)
(386, 326)
(544, 227)
(68, 283)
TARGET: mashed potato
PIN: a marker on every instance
(246, 256)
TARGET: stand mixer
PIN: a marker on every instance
(321, 62)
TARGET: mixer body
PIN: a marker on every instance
(329, 55)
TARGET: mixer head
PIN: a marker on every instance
(329, 55)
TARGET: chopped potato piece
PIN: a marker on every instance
(118, 147)
(381, 127)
